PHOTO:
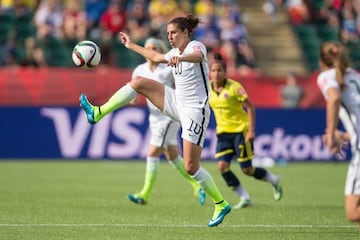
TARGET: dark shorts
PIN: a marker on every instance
(233, 145)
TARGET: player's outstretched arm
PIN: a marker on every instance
(146, 53)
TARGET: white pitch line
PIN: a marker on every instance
(170, 225)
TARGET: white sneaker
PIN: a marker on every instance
(244, 203)
(277, 190)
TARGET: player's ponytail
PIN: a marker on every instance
(333, 55)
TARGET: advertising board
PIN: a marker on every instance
(63, 132)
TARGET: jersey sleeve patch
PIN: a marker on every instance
(241, 91)
(196, 48)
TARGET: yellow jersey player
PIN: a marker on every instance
(235, 130)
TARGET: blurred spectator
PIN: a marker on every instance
(8, 55)
(114, 19)
(230, 23)
(228, 52)
(220, 29)
(291, 93)
(333, 20)
(245, 58)
(160, 13)
(32, 5)
(297, 11)
(207, 32)
(94, 9)
(35, 55)
(204, 8)
(138, 21)
(184, 8)
(74, 21)
(49, 19)
(271, 7)
(349, 31)
(18, 8)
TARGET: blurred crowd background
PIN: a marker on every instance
(43, 32)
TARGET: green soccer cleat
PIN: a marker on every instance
(244, 203)
(202, 196)
(88, 108)
(136, 198)
(219, 215)
(277, 191)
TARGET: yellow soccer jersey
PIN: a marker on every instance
(227, 106)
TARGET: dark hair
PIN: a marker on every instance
(189, 22)
(219, 60)
(333, 55)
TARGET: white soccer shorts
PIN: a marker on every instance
(194, 121)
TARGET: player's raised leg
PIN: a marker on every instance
(151, 89)
(121, 98)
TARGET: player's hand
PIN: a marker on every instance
(250, 136)
(174, 61)
(336, 143)
(124, 39)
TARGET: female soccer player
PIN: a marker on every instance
(235, 129)
(187, 104)
(163, 129)
(340, 86)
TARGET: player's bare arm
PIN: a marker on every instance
(194, 57)
(332, 117)
(146, 53)
(250, 109)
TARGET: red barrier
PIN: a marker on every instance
(62, 87)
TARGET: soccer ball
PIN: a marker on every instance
(86, 54)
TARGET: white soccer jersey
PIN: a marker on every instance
(162, 74)
(350, 99)
(349, 115)
(191, 79)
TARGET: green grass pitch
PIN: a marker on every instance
(87, 200)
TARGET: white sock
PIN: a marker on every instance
(124, 95)
(243, 194)
(272, 178)
(120, 98)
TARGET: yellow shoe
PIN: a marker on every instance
(219, 215)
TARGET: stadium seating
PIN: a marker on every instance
(24, 27)
(57, 52)
(309, 42)
(124, 57)
(6, 26)
(328, 33)
(354, 53)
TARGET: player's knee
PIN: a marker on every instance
(171, 155)
(222, 166)
(191, 168)
(353, 216)
(136, 83)
(248, 171)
